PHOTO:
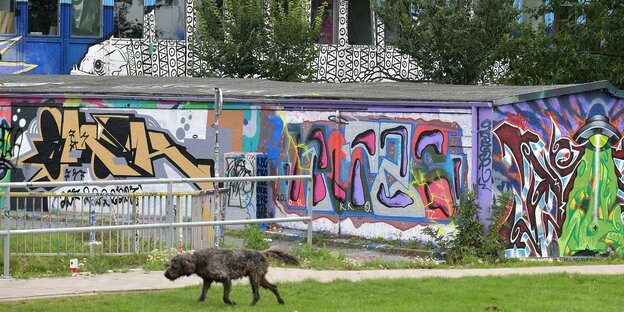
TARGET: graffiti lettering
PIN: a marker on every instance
(105, 197)
(74, 174)
(545, 181)
(262, 189)
(375, 165)
(240, 193)
(485, 155)
(112, 145)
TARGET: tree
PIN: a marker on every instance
(453, 41)
(230, 39)
(254, 38)
(292, 41)
(582, 44)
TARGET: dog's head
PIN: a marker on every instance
(182, 264)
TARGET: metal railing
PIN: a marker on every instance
(134, 221)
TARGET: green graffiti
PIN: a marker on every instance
(593, 212)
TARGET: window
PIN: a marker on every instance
(562, 15)
(7, 16)
(170, 19)
(128, 19)
(43, 18)
(529, 12)
(327, 20)
(359, 27)
(86, 20)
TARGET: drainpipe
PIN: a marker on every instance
(474, 176)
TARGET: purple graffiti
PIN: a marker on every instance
(399, 199)
(426, 138)
(402, 132)
(357, 186)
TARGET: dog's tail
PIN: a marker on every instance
(281, 256)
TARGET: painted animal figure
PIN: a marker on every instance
(225, 265)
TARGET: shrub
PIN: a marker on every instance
(253, 238)
(473, 241)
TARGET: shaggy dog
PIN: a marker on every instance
(224, 265)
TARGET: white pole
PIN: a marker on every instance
(6, 214)
(218, 101)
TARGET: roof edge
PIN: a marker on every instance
(559, 91)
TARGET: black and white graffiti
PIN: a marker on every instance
(339, 62)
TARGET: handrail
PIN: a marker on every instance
(156, 181)
(6, 192)
(151, 226)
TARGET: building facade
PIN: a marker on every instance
(150, 38)
(388, 159)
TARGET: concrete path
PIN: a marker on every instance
(80, 285)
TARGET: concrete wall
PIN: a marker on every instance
(562, 159)
(377, 173)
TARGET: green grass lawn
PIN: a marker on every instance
(552, 292)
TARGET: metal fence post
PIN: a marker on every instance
(218, 104)
(309, 199)
(170, 216)
(7, 226)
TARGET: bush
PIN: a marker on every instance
(253, 238)
(470, 243)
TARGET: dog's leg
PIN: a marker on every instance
(272, 288)
(254, 281)
(227, 286)
(207, 283)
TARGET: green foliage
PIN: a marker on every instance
(230, 40)
(253, 238)
(254, 38)
(586, 46)
(494, 241)
(158, 260)
(38, 266)
(454, 42)
(470, 243)
(314, 257)
(292, 42)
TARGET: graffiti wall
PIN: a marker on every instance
(246, 200)
(52, 142)
(374, 176)
(562, 159)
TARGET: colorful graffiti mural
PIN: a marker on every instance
(373, 176)
(12, 67)
(246, 200)
(65, 143)
(562, 159)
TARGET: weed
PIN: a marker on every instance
(158, 260)
(253, 238)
